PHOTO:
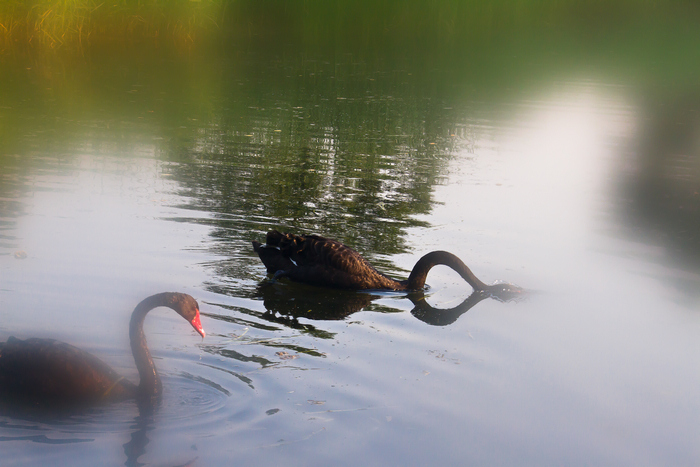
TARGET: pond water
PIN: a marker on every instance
(128, 174)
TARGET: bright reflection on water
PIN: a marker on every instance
(562, 189)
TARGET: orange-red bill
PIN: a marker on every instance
(197, 325)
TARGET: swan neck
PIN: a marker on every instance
(420, 271)
(149, 381)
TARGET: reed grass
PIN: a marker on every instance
(58, 23)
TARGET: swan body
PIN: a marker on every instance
(320, 261)
(46, 372)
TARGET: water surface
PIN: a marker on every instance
(124, 176)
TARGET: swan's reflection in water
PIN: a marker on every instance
(136, 446)
(190, 403)
(285, 303)
(85, 426)
(63, 427)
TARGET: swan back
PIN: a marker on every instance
(50, 373)
(320, 261)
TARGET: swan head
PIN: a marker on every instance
(188, 308)
(506, 292)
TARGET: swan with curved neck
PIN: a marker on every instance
(48, 372)
(321, 261)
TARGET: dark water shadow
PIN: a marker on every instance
(43, 439)
(661, 193)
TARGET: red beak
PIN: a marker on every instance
(197, 325)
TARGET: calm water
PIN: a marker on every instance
(124, 175)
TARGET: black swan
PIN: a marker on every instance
(45, 372)
(321, 261)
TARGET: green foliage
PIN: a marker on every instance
(343, 25)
